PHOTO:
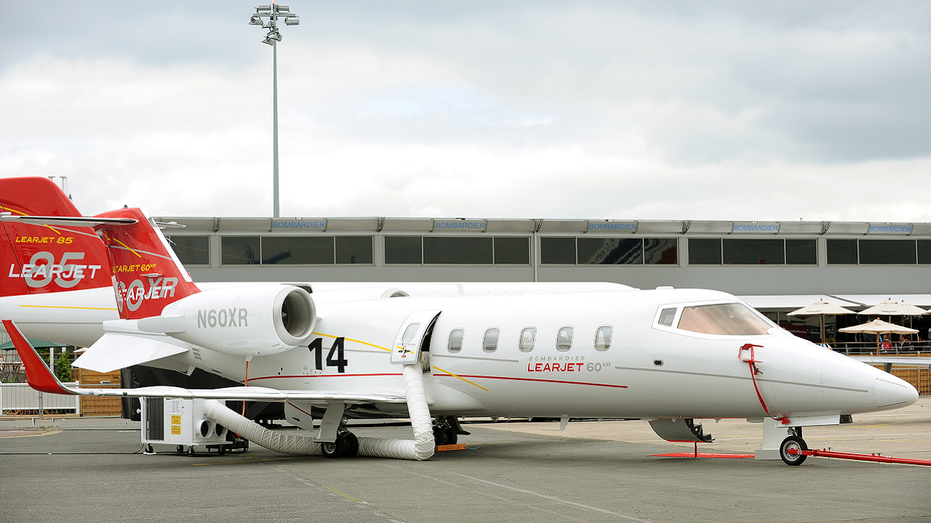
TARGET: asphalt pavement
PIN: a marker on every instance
(93, 469)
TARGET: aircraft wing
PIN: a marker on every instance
(41, 378)
(116, 351)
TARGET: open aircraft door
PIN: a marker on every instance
(413, 337)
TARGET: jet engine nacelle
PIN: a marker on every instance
(246, 321)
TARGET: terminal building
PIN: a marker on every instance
(775, 266)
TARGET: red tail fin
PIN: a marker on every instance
(147, 274)
(43, 258)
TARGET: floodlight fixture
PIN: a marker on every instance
(292, 20)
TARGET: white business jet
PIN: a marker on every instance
(669, 356)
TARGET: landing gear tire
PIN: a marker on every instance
(796, 445)
(353, 445)
(337, 449)
(451, 436)
(440, 436)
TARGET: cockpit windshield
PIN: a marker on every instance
(733, 319)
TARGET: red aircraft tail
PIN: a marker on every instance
(147, 274)
(46, 258)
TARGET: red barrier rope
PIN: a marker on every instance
(753, 372)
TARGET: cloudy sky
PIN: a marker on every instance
(727, 110)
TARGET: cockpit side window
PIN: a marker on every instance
(731, 319)
(666, 317)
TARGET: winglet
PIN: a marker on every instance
(38, 375)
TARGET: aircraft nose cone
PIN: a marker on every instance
(891, 392)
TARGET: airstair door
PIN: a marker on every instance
(410, 338)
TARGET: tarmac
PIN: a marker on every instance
(93, 469)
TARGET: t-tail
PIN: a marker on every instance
(38, 258)
(147, 275)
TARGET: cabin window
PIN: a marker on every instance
(603, 337)
(410, 331)
(455, 341)
(527, 337)
(666, 317)
(564, 339)
(733, 319)
(490, 343)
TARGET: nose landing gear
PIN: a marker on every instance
(446, 430)
(790, 450)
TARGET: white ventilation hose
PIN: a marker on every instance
(420, 448)
(423, 444)
(270, 439)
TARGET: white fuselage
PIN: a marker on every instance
(649, 370)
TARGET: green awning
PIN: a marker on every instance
(39, 344)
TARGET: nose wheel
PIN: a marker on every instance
(446, 430)
(790, 450)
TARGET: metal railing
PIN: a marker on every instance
(21, 399)
(856, 348)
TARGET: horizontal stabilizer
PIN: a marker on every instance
(117, 351)
(161, 324)
(70, 221)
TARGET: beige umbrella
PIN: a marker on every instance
(879, 327)
(820, 308)
(894, 308)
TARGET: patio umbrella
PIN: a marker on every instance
(894, 308)
(879, 327)
(820, 308)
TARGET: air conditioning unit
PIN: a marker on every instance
(180, 422)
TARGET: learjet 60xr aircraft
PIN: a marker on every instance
(671, 357)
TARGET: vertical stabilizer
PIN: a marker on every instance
(38, 259)
(147, 274)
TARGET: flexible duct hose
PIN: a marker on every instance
(423, 444)
(270, 439)
(420, 448)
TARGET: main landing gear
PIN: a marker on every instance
(346, 445)
(790, 450)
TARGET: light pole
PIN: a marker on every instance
(273, 12)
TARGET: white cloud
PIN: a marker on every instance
(584, 110)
